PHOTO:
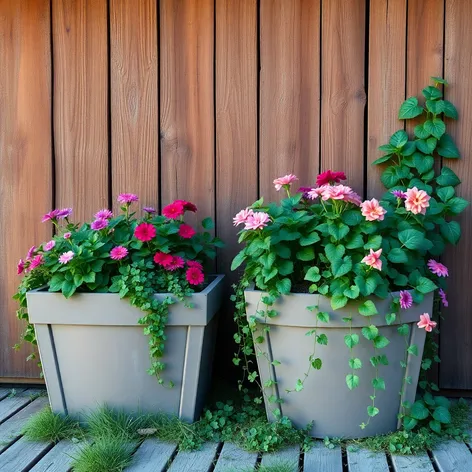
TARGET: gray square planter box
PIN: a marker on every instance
(94, 352)
(326, 400)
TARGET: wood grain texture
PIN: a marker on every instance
(419, 463)
(343, 96)
(286, 459)
(81, 105)
(319, 457)
(152, 456)
(14, 403)
(196, 461)
(134, 100)
(59, 458)
(387, 51)
(232, 457)
(187, 103)
(25, 158)
(452, 456)
(363, 460)
(456, 331)
(289, 92)
(21, 455)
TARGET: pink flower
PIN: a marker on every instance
(416, 201)
(399, 194)
(373, 259)
(31, 252)
(36, 262)
(99, 224)
(176, 263)
(145, 232)
(329, 177)
(194, 276)
(127, 198)
(196, 264)
(66, 257)
(162, 259)
(188, 206)
(20, 267)
(242, 216)
(284, 181)
(67, 235)
(354, 198)
(372, 210)
(317, 192)
(426, 322)
(52, 215)
(257, 220)
(174, 210)
(442, 294)
(64, 213)
(186, 231)
(49, 245)
(437, 268)
(118, 253)
(103, 215)
(406, 300)
(150, 210)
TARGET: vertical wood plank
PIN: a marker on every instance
(455, 347)
(387, 52)
(81, 105)
(134, 99)
(187, 103)
(342, 89)
(289, 92)
(25, 157)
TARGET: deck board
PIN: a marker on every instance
(288, 456)
(363, 460)
(319, 457)
(419, 463)
(152, 456)
(22, 454)
(453, 456)
(59, 458)
(11, 404)
(196, 461)
(233, 458)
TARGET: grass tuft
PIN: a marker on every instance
(49, 426)
(110, 454)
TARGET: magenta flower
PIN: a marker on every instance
(49, 245)
(194, 276)
(372, 210)
(174, 211)
(399, 194)
(67, 235)
(20, 267)
(442, 294)
(162, 259)
(150, 210)
(52, 215)
(127, 198)
(188, 206)
(36, 262)
(426, 322)
(437, 268)
(257, 220)
(196, 264)
(99, 224)
(416, 201)
(186, 231)
(242, 216)
(31, 252)
(176, 263)
(330, 177)
(118, 253)
(406, 300)
(64, 213)
(66, 257)
(285, 181)
(145, 232)
(103, 214)
(373, 259)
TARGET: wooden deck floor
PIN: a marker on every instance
(19, 455)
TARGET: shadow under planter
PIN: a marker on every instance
(93, 352)
(325, 399)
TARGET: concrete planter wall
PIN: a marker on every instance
(94, 352)
(326, 400)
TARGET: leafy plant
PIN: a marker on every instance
(134, 257)
(326, 240)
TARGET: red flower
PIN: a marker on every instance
(174, 210)
(196, 264)
(194, 276)
(330, 177)
(162, 259)
(186, 231)
(176, 263)
(145, 232)
(188, 206)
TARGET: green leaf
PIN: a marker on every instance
(447, 147)
(238, 260)
(439, 80)
(338, 301)
(450, 110)
(380, 342)
(413, 349)
(419, 411)
(370, 332)
(313, 274)
(399, 139)
(425, 285)
(410, 109)
(426, 146)
(323, 316)
(442, 415)
(352, 217)
(409, 423)
(432, 93)
(284, 286)
(285, 267)
(208, 223)
(341, 267)
(457, 205)
(378, 383)
(421, 133)
(446, 193)
(435, 426)
(355, 242)
(351, 340)
(448, 177)
(397, 256)
(374, 242)
(451, 231)
(368, 308)
(338, 230)
(442, 401)
(333, 252)
(352, 292)
(310, 239)
(68, 288)
(306, 254)
(352, 381)
(355, 363)
(390, 318)
(422, 162)
(55, 285)
(299, 386)
(317, 363)
(390, 177)
(436, 127)
(322, 339)
(411, 238)
(409, 148)
(89, 278)
(382, 159)
(372, 410)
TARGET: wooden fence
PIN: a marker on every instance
(210, 100)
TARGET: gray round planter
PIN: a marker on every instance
(326, 400)
(93, 352)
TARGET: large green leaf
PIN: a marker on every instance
(421, 133)
(338, 230)
(310, 239)
(442, 415)
(425, 285)
(370, 332)
(341, 267)
(355, 363)
(419, 411)
(306, 254)
(238, 260)
(334, 253)
(338, 301)
(448, 177)
(436, 127)
(397, 256)
(423, 162)
(368, 308)
(351, 340)
(447, 147)
(426, 146)
(399, 139)
(381, 341)
(411, 238)
(451, 231)
(284, 285)
(352, 381)
(450, 110)
(446, 193)
(382, 159)
(313, 274)
(410, 109)
(457, 205)
(352, 217)
(432, 93)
